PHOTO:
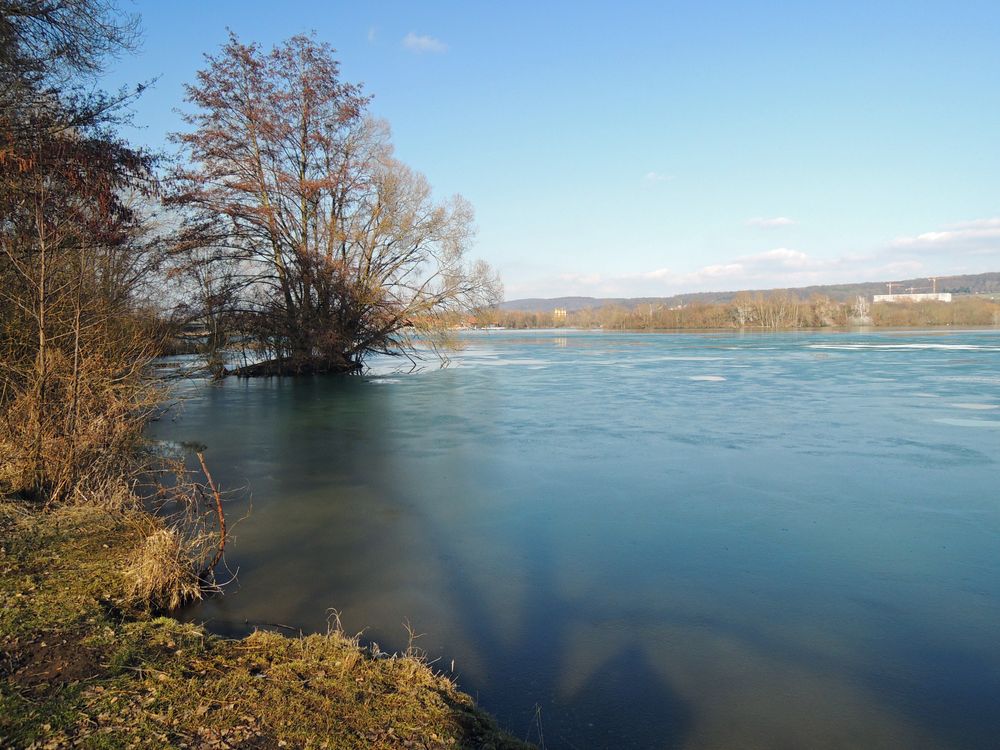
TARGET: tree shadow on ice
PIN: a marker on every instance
(620, 701)
(624, 691)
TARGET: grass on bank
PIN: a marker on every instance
(84, 664)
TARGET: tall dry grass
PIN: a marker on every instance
(161, 573)
(81, 255)
(71, 427)
(76, 391)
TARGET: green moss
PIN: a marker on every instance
(81, 668)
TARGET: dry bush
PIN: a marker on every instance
(162, 573)
(183, 543)
(70, 432)
(76, 255)
(81, 250)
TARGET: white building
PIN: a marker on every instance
(925, 297)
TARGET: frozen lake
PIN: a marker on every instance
(658, 540)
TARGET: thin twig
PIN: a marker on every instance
(218, 507)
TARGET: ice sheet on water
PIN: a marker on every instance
(904, 347)
(977, 379)
(684, 358)
(511, 362)
(987, 423)
(796, 502)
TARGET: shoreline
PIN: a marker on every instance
(942, 328)
(82, 662)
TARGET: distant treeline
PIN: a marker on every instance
(746, 310)
(980, 283)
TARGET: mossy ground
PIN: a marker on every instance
(82, 667)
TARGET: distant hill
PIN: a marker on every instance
(982, 283)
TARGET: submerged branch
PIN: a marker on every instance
(222, 517)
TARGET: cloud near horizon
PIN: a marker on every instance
(977, 236)
(966, 247)
(421, 43)
(777, 268)
(780, 266)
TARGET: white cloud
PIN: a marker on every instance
(659, 273)
(781, 266)
(777, 268)
(658, 177)
(420, 43)
(966, 247)
(777, 221)
(715, 271)
(783, 257)
(964, 235)
(372, 33)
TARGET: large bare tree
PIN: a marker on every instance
(333, 249)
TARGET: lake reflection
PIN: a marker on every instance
(664, 540)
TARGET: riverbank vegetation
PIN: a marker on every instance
(79, 254)
(778, 310)
(75, 258)
(86, 663)
(91, 231)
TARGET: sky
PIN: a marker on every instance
(655, 148)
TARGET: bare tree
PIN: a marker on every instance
(776, 310)
(54, 40)
(73, 341)
(338, 249)
(73, 256)
(50, 53)
(743, 309)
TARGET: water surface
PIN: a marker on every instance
(658, 540)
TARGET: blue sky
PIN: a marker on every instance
(651, 148)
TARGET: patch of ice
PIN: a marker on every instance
(904, 347)
(988, 423)
(513, 362)
(978, 379)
